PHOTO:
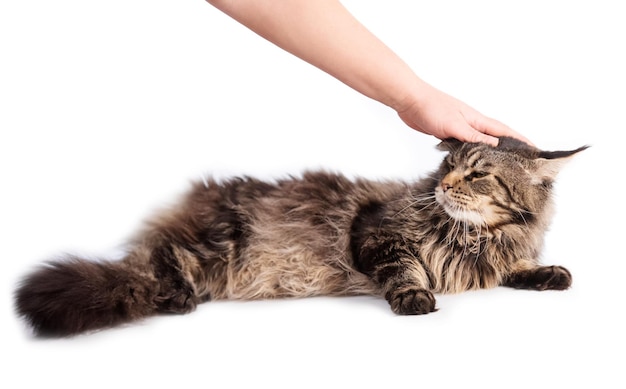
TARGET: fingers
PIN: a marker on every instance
(483, 138)
(469, 134)
(495, 128)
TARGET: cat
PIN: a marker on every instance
(478, 221)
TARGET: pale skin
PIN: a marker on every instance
(325, 34)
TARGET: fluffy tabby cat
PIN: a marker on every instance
(476, 222)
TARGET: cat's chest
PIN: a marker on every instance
(459, 240)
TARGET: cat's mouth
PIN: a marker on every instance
(459, 211)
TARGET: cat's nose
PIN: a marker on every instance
(445, 186)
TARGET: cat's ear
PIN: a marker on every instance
(450, 145)
(549, 163)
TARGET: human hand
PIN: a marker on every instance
(438, 114)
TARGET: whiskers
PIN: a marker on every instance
(470, 236)
(421, 201)
(465, 231)
(413, 202)
(521, 213)
(481, 241)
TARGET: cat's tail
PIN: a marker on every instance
(75, 295)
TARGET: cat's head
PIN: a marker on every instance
(494, 186)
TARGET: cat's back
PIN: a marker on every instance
(309, 195)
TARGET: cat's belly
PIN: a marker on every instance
(294, 271)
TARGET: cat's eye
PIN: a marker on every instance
(476, 174)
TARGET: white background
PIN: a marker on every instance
(109, 108)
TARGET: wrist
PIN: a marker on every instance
(409, 95)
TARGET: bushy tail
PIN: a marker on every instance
(75, 295)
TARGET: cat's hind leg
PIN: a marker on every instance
(176, 290)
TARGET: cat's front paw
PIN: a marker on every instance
(411, 301)
(541, 278)
(552, 277)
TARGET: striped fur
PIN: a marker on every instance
(476, 222)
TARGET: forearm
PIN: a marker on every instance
(325, 34)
